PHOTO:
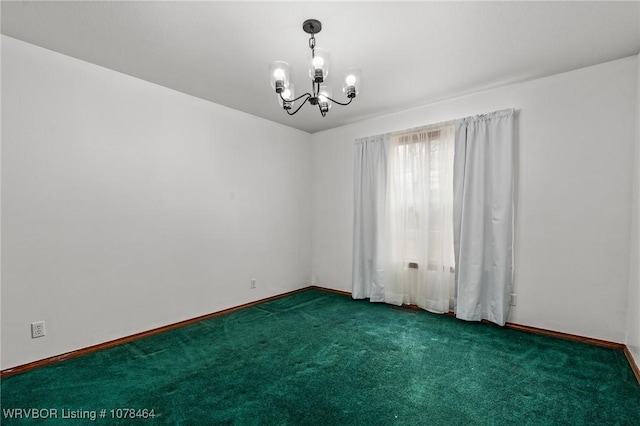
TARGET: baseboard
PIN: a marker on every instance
(632, 363)
(116, 342)
(331, 290)
(566, 336)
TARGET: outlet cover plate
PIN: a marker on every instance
(37, 329)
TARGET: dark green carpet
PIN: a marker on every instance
(321, 358)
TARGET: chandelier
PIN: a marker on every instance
(318, 70)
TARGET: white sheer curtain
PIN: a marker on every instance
(370, 182)
(419, 257)
(483, 216)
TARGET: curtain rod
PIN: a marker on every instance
(428, 127)
(447, 123)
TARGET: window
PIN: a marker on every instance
(420, 218)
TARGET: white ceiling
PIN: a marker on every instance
(410, 53)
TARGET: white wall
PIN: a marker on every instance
(633, 322)
(127, 206)
(574, 166)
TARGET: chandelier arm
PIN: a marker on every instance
(303, 102)
(296, 99)
(340, 103)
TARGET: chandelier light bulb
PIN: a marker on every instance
(324, 97)
(351, 82)
(319, 64)
(286, 97)
(279, 75)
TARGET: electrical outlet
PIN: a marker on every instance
(253, 283)
(514, 299)
(37, 329)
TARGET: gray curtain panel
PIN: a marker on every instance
(483, 216)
